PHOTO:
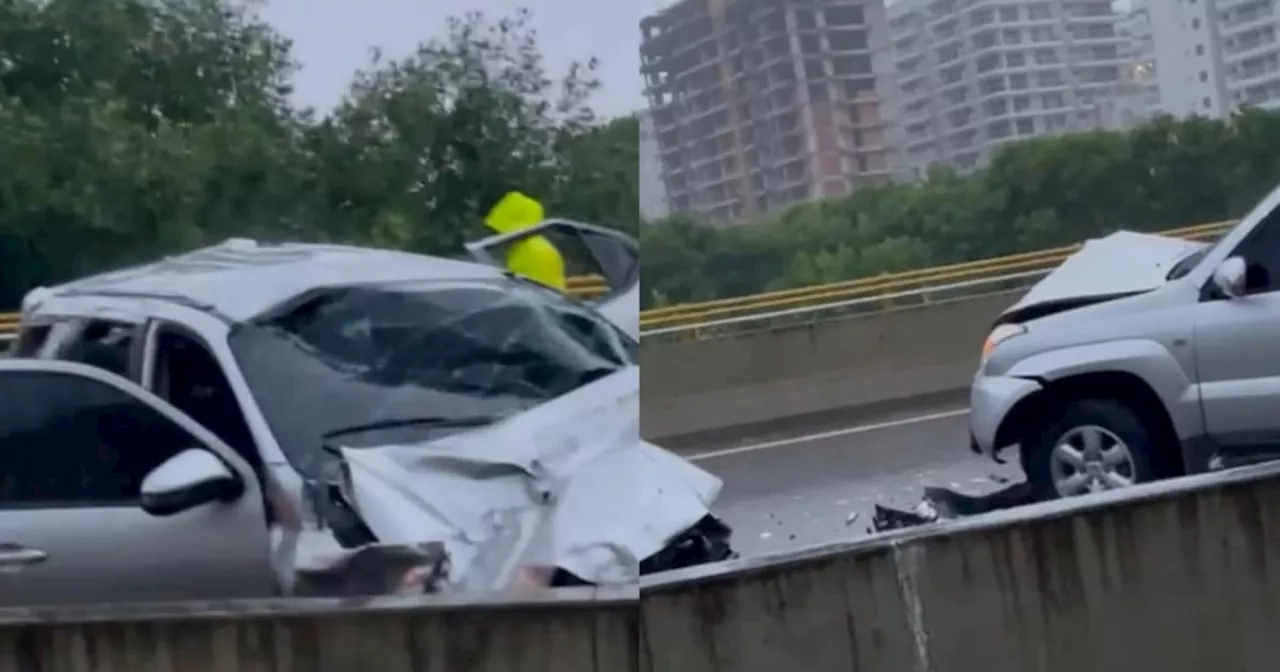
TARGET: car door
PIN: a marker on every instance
(1237, 361)
(75, 445)
(588, 249)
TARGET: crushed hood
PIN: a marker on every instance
(567, 484)
(1120, 264)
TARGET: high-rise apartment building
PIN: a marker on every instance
(1213, 56)
(758, 104)
(971, 75)
(653, 192)
(1137, 97)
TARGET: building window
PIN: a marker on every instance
(1195, 24)
(843, 16)
(1199, 50)
(1208, 103)
(1204, 76)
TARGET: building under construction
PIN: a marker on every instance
(759, 104)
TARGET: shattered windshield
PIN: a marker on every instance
(375, 365)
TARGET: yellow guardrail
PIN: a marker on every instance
(586, 286)
(695, 313)
(707, 311)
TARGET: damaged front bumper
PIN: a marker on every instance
(991, 400)
(568, 488)
(329, 563)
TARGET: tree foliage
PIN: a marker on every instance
(133, 128)
(1035, 194)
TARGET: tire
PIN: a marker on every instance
(1074, 419)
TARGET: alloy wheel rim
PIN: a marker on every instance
(1090, 458)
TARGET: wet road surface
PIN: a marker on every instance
(799, 491)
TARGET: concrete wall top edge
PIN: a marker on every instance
(561, 599)
(1023, 516)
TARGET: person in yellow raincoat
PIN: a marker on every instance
(535, 257)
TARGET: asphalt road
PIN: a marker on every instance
(816, 487)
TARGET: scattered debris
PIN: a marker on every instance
(376, 569)
(886, 519)
(850, 519)
(925, 509)
(946, 503)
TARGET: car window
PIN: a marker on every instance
(52, 340)
(618, 261)
(190, 377)
(68, 440)
(1261, 253)
(103, 344)
(30, 339)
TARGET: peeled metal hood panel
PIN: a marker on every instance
(1121, 263)
(568, 484)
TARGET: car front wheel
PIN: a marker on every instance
(1090, 445)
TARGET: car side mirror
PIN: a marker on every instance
(189, 479)
(1230, 276)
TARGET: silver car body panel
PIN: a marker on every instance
(1121, 263)
(123, 554)
(241, 279)
(1211, 362)
(623, 310)
(568, 484)
(990, 400)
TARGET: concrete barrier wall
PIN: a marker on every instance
(1181, 576)
(582, 631)
(700, 387)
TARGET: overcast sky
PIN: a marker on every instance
(332, 38)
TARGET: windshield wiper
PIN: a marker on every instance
(1185, 264)
(430, 421)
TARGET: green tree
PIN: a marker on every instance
(422, 147)
(1035, 194)
(600, 179)
(129, 127)
(134, 128)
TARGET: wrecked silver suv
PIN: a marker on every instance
(390, 400)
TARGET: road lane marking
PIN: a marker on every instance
(831, 434)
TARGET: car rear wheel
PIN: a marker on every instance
(1090, 445)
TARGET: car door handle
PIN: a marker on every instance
(14, 556)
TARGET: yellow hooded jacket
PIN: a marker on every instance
(536, 257)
